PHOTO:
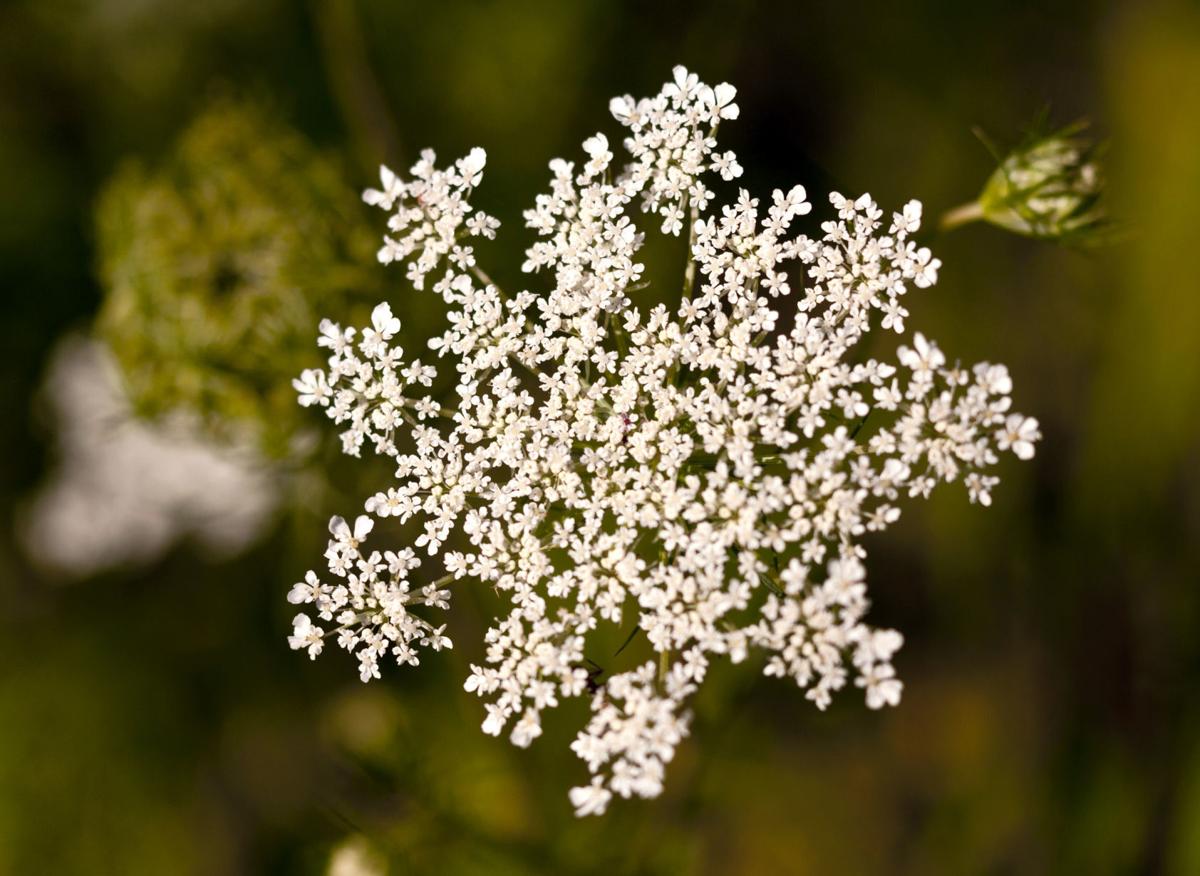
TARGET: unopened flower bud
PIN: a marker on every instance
(1051, 187)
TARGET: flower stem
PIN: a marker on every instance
(689, 275)
(962, 215)
(482, 276)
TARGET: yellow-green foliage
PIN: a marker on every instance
(216, 265)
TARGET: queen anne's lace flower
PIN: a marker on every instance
(703, 472)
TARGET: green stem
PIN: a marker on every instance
(482, 276)
(961, 215)
(359, 96)
(689, 276)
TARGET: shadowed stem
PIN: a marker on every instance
(689, 275)
(359, 96)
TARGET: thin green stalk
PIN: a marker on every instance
(961, 215)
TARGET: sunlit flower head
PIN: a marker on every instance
(698, 477)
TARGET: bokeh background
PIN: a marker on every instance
(152, 719)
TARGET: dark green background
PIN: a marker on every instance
(154, 721)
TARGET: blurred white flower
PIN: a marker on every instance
(124, 491)
(355, 857)
(1019, 434)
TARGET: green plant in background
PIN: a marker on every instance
(1052, 643)
(216, 264)
(1051, 187)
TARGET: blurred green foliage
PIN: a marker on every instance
(153, 721)
(218, 266)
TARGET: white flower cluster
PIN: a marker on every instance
(432, 209)
(701, 473)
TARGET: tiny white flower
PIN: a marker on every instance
(308, 590)
(1019, 434)
(306, 636)
(923, 358)
(724, 94)
(472, 166)
(385, 324)
(343, 534)
(393, 189)
(590, 799)
(312, 387)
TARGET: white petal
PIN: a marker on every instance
(362, 527)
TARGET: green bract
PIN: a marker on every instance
(1051, 187)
